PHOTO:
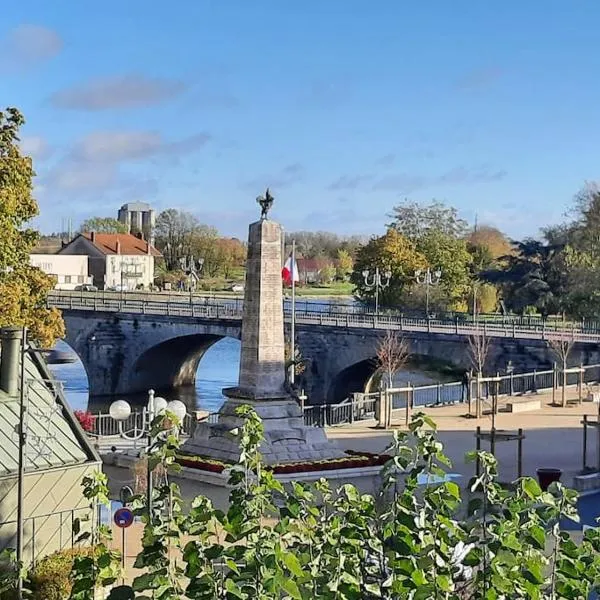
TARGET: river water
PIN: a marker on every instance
(218, 369)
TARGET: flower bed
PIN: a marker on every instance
(354, 460)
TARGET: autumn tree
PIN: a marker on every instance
(491, 239)
(391, 251)
(23, 288)
(327, 273)
(103, 225)
(345, 262)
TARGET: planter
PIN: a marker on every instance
(546, 476)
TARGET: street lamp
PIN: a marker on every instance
(428, 278)
(379, 281)
(120, 411)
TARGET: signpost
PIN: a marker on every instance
(123, 518)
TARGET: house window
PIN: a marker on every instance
(67, 279)
(80, 278)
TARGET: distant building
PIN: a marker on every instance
(139, 218)
(309, 269)
(116, 260)
(57, 457)
(70, 271)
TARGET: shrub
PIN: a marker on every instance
(51, 577)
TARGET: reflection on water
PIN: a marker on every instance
(218, 369)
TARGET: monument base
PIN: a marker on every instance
(286, 438)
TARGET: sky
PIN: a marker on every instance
(343, 107)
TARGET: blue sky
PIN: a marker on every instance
(343, 107)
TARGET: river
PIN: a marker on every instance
(218, 369)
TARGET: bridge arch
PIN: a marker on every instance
(172, 363)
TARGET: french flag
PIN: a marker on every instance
(289, 273)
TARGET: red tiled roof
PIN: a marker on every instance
(129, 244)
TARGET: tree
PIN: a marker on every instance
(533, 276)
(491, 239)
(174, 232)
(487, 298)
(561, 346)
(391, 251)
(231, 253)
(327, 273)
(478, 350)
(392, 354)
(103, 225)
(414, 220)
(344, 264)
(450, 255)
(23, 288)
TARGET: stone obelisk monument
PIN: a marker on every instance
(262, 377)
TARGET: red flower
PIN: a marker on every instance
(86, 419)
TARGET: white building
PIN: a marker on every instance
(70, 271)
(116, 260)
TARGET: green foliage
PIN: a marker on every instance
(450, 255)
(423, 538)
(101, 566)
(391, 251)
(345, 262)
(23, 288)
(9, 573)
(327, 273)
(103, 225)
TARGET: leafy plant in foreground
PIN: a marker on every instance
(421, 538)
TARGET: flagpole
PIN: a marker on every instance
(293, 324)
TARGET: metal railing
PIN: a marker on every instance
(360, 407)
(232, 309)
(45, 533)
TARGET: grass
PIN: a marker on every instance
(337, 288)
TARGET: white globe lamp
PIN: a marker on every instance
(160, 404)
(120, 410)
(178, 408)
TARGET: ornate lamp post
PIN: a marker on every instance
(120, 411)
(378, 281)
(428, 278)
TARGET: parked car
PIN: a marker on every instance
(120, 287)
(86, 287)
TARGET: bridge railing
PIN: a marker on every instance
(232, 308)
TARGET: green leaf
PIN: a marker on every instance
(531, 487)
(293, 564)
(290, 587)
(233, 588)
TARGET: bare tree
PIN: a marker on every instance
(392, 354)
(479, 347)
(561, 347)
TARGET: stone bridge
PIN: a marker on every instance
(131, 343)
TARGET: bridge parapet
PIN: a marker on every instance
(225, 308)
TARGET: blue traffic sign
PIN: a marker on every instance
(123, 518)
